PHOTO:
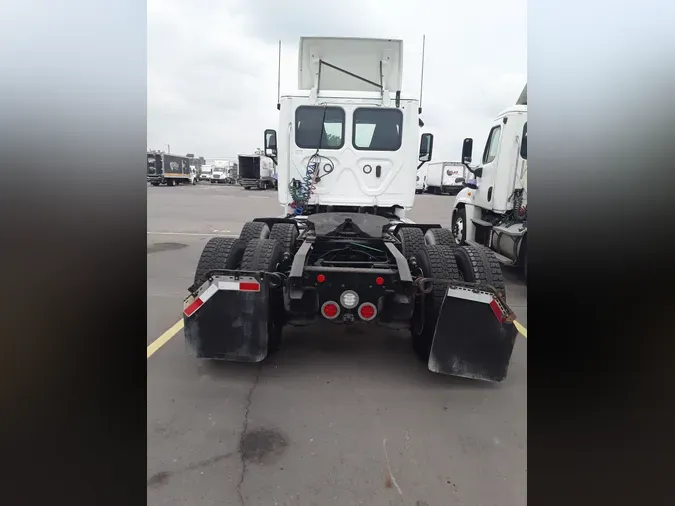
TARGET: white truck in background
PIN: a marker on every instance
(206, 172)
(421, 184)
(445, 177)
(492, 209)
(219, 172)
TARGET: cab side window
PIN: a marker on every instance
(492, 145)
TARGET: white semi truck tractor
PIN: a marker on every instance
(343, 251)
(492, 210)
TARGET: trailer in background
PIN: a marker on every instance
(164, 168)
(446, 177)
(257, 171)
(421, 184)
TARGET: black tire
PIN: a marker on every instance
(219, 253)
(479, 264)
(169, 182)
(441, 236)
(154, 184)
(247, 187)
(412, 240)
(459, 225)
(254, 230)
(435, 261)
(265, 255)
(286, 234)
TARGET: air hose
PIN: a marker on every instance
(301, 191)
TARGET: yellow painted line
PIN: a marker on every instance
(164, 338)
(521, 329)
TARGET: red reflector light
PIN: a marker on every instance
(330, 310)
(321, 278)
(249, 287)
(189, 311)
(367, 311)
(379, 280)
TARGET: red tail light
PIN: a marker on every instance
(367, 311)
(330, 310)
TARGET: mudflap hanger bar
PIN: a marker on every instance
(228, 316)
(475, 332)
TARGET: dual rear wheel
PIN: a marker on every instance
(258, 248)
(437, 255)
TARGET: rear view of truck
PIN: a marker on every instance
(344, 251)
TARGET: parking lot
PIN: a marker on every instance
(337, 417)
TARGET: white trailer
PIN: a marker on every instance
(343, 251)
(492, 210)
(445, 177)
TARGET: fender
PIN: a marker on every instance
(465, 199)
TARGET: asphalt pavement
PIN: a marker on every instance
(337, 417)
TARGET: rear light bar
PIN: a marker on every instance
(247, 285)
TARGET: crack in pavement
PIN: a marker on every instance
(243, 435)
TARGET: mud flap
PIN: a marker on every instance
(227, 319)
(474, 336)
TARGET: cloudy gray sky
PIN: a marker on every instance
(212, 64)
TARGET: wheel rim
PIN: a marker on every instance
(458, 229)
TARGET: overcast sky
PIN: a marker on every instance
(212, 64)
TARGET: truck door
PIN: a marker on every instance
(484, 195)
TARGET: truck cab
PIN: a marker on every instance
(492, 209)
(345, 140)
(205, 173)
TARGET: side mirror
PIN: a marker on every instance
(523, 144)
(467, 150)
(426, 147)
(270, 143)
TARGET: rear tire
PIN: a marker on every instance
(265, 255)
(219, 253)
(440, 236)
(254, 230)
(435, 261)
(286, 234)
(459, 226)
(478, 264)
(412, 241)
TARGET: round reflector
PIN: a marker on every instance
(367, 311)
(379, 280)
(321, 278)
